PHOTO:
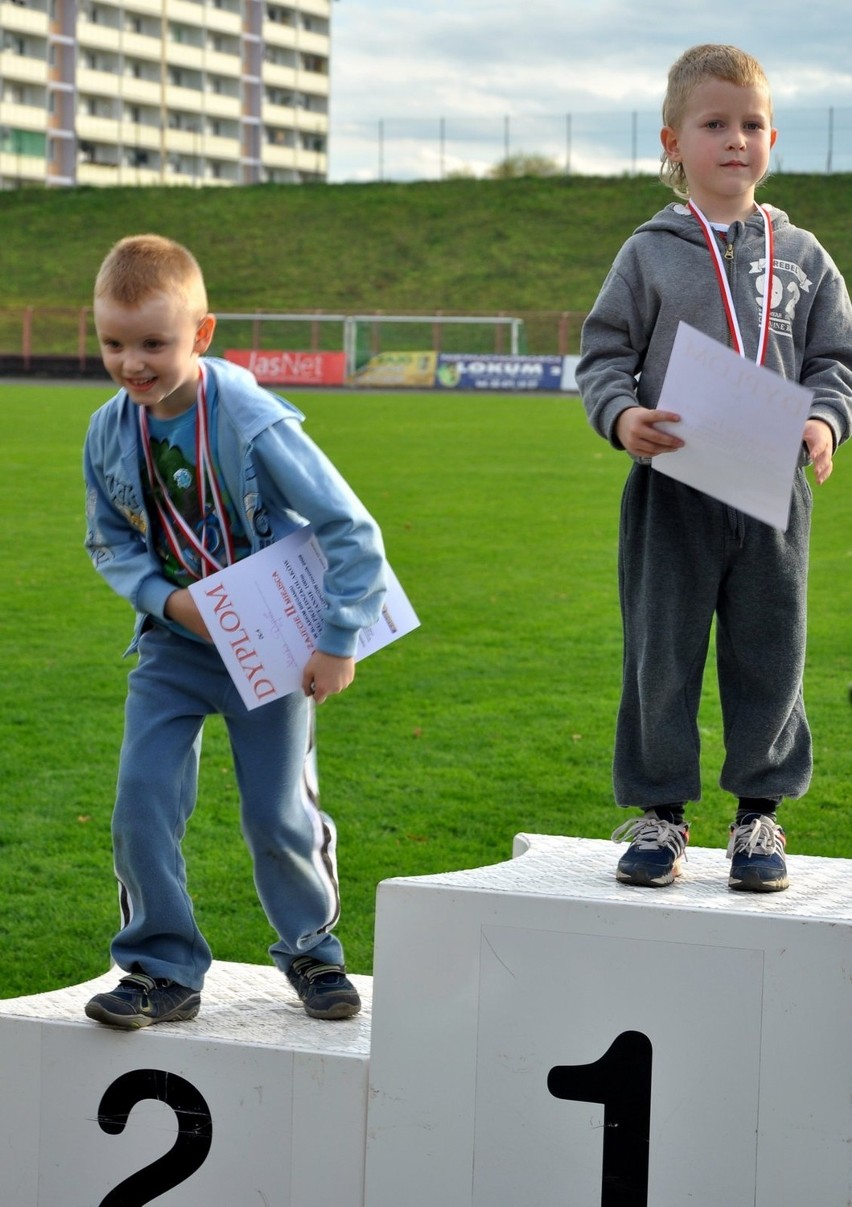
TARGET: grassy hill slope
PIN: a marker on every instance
(516, 245)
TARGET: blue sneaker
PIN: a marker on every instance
(656, 852)
(756, 852)
(324, 989)
(139, 1000)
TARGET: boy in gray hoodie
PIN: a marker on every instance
(743, 274)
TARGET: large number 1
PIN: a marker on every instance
(621, 1081)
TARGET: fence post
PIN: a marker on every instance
(27, 337)
(436, 335)
(82, 329)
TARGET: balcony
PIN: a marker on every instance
(30, 168)
(22, 117)
(97, 83)
(278, 76)
(97, 129)
(217, 63)
(316, 8)
(184, 54)
(22, 69)
(141, 46)
(150, 8)
(313, 81)
(223, 21)
(142, 92)
(20, 20)
(91, 36)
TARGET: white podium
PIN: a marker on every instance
(252, 1104)
(546, 1037)
(541, 1036)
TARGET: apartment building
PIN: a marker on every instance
(178, 92)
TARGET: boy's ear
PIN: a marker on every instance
(204, 334)
(668, 137)
(773, 134)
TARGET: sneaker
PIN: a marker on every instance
(324, 989)
(756, 852)
(656, 852)
(139, 1000)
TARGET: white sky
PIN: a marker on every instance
(400, 60)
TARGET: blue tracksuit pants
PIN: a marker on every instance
(176, 684)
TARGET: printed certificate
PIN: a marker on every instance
(742, 426)
(265, 614)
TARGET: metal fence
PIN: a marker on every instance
(62, 341)
(817, 140)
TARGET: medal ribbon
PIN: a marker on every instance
(725, 287)
(170, 518)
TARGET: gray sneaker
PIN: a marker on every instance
(139, 1000)
(324, 989)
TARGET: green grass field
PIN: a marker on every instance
(495, 717)
(517, 246)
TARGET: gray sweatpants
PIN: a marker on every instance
(683, 558)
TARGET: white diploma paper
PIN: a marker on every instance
(741, 423)
(265, 614)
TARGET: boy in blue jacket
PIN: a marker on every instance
(189, 467)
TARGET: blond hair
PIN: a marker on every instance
(142, 265)
(709, 61)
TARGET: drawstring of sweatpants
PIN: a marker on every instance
(736, 523)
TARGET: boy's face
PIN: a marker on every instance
(723, 142)
(152, 350)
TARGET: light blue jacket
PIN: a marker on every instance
(275, 475)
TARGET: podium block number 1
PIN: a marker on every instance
(621, 1081)
(190, 1149)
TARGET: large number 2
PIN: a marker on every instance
(190, 1149)
(621, 1081)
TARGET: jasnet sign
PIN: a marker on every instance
(291, 368)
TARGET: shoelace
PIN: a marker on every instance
(760, 835)
(651, 833)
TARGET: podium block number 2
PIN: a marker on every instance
(621, 1081)
(190, 1149)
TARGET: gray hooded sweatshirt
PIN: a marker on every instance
(664, 273)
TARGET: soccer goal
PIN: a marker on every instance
(368, 335)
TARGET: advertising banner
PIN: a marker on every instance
(516, 373)
(399, 369)
(291, 368)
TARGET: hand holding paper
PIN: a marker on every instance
(326, 675)
(639, 432)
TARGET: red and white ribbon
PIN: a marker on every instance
(171, 519)
(725, 287)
